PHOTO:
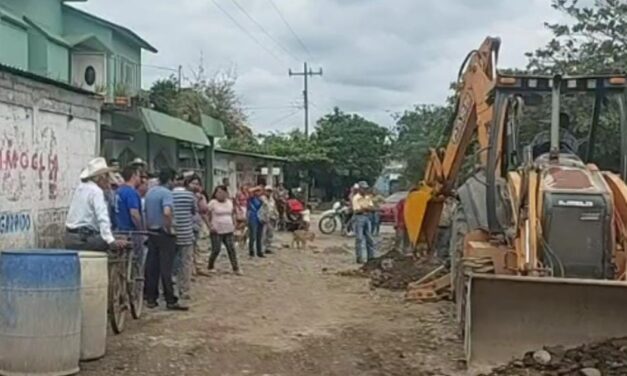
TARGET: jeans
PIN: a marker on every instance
(159, 263)
(363, 237)
(216, 246)
(255, 238)
(185, 257)
(375, 218)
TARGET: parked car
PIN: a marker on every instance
(388, 208)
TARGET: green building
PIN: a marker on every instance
(52, 38)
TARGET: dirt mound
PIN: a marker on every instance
(606, 358)
(337, 250)
(395, 270)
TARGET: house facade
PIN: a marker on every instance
(51, 38)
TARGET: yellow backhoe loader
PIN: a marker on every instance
(537, 243)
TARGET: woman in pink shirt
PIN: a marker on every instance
(222, 225)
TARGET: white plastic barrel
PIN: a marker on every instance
(40, 313)
(94, 285)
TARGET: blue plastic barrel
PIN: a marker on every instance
(40, 312)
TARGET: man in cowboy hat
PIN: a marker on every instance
(88, 224)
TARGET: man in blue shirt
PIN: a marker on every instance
(128, 203)
(161, 242)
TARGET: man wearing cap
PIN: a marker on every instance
(88, 224)
(362, 207)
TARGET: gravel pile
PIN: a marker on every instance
(608, 358)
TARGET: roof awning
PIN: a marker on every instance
(89, 41)
(212, 126)
(168, 126)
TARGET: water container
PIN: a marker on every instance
(94, 284)
(40, 313)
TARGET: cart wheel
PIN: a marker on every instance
(117, 298)
(136, 289)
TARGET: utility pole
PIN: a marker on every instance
(180, 74)
(306, 73)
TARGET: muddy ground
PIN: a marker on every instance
(290, 314)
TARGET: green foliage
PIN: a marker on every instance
(417, 131)
(215, 97)
(595, 41)
(357, 147)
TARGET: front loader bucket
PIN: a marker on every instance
(415, 210)
(506, 316)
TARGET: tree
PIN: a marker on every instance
(356, 147)
(417, 131)
(304, 155)
(594, 42)
(163, 96)
(215, 97)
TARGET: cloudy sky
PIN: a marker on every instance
(378, 56)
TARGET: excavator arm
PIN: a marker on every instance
(473, 113)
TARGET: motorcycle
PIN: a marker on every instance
(340, 216)
(293, 216)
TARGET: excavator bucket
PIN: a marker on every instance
(507, 316)
(414, 212)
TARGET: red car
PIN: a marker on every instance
(387, 210)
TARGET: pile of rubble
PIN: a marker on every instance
(606, 358)
(424, 278)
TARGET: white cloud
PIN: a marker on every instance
(378, 56)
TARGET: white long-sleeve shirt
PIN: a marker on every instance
(89, 209)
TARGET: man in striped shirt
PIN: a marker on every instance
(185, 207)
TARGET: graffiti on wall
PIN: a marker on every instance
(51, 227)
(15, 222)
(29, 158)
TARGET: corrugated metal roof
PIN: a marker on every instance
(168, 126)
(252, 155)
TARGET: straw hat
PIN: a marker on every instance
(138, 161)
(96, 167)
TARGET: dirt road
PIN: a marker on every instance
(290, 314)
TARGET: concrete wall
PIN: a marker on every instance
(47, 135)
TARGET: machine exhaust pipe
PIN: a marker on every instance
(555, 117)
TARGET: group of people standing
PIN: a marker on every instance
(166, 213)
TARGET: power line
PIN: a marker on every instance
(283, 118)
(246, 31)
(160, 67)
(291, 30)
(263, 30)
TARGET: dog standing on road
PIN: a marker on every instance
(301, 238)
(240, 237)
